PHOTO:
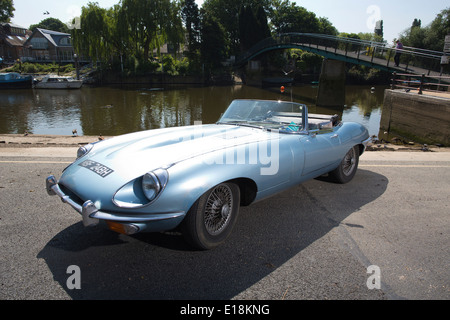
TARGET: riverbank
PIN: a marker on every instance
(420, 117)
(61, 141)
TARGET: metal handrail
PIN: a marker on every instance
(405, 81)
(414, 60)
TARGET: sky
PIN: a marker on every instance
(351, 16)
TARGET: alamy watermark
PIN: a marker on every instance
(74, 280)
(374, 13)
(242, 149)
(74, 13)
(374, 280)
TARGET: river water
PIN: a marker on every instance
(118, 110)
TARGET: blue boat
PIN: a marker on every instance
(14, 80)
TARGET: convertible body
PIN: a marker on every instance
(196, 177)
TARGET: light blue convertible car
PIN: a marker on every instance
(197, 177)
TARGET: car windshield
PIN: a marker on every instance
(283, 116)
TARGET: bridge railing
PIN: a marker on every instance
(419, 83)
(372, 52)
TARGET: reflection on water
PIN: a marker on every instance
(119, 110)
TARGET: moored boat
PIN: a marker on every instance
(58, 82)
(14, 80)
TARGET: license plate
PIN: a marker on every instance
(98, 168)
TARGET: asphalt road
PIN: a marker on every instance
(318, 240)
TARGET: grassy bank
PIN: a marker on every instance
(36, 68)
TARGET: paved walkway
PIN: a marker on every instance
(23, 145)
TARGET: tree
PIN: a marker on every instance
(291, 18)
(439, 28)
(191, 19)
(253, 26)
(151, 23)
(431, 37)
(131, 28)
(51, 24)
(90, 39)
(6, 10)
(171, 24)
(214, 45)
(247, 28)
(416, 23)
(226, 12)
(116, 32)
(326, 27)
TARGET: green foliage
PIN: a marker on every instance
(305, 61)
(214, 46)
(51, 24)
(168, 63)
(128, 34)
(253, 26)
(182, 66)
(6, 10)
(430, 37)
(226, 13)
(36, 68)
(292, 18)
(130, 30)
(361, 75)
(191, 19)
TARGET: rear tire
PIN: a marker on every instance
(212, 217)
(346, 170)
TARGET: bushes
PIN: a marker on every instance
(37, 68)
(132, 66)
(174, 67)
(365, 75)
(167, 65)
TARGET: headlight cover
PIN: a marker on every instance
(142, 191)
(151, 186)
(154, 182)
(82, 151)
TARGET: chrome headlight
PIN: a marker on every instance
(153, 183)
(142, 191)
(82, 151)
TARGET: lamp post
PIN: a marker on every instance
(75, 57)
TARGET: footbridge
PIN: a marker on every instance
(361, 52)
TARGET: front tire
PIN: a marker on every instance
(212, 217)
(347, 168)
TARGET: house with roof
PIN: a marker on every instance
(12, 39)
(47, 45)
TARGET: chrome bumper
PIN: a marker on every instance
(366, 142)
(92, 216)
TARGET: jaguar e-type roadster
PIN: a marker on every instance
(196, 177)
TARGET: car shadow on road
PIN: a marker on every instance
(162, 266)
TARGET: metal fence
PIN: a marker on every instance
(420, 83)
(371, 53)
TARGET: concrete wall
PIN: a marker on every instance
(422, 118)
(332, 84)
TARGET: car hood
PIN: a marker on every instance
(135, 154)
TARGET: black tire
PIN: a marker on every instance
(212, 217)
(347, 168)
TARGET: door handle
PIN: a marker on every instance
(334, 136)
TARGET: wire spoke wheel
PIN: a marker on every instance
(349, 162)
(218, 209)
(211, 219)
(346, 170)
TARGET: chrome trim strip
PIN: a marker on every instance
(91, 214)
(366, 142)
